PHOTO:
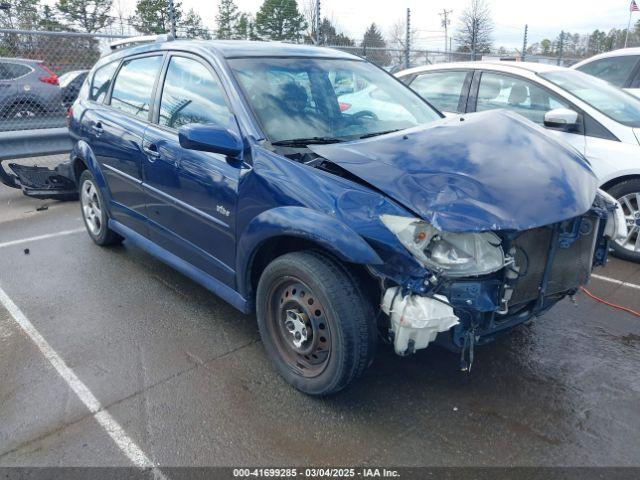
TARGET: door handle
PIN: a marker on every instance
(97, 128)
(151, 149)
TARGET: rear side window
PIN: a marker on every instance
(191, 95)
(442, 89)
(101, 81)
(12, 71)
(133, 86)
(615, 70)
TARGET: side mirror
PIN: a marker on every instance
(210, 138)
(562, 119)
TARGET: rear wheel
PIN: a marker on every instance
(628, 194)
(94, 212)
(316, 325)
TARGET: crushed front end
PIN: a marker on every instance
(518, 275)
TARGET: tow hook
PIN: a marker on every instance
(466, 355)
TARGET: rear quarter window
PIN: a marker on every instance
(102, 79)
(615, 70)
(13, 71)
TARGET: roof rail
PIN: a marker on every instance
(141, 39)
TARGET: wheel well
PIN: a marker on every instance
(278, 246)
(78, 167)
(617, 180)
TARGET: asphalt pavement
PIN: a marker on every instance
(184, 378)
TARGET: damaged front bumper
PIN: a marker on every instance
(41, 182)
(544, 265)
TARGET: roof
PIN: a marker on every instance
(19, 60)
(504, 66)
(622, 52)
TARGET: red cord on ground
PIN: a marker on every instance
(612, 305)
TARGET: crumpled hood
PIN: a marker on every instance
(484, 171)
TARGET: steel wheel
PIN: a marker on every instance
(91, 207)
(296, 321)
(631, 208)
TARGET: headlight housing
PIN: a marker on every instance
(453, 254)
(616, 226)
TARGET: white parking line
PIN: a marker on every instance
(110, 425)
(617, 282)
(41, 237)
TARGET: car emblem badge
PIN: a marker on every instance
(222, 211)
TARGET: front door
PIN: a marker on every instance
(190, 195)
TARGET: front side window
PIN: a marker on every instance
(515, 94)
(301, 98)
(191, 95)
(442, 89)
(101, 81)
(615, 70)
(604, 97)
(133, 86)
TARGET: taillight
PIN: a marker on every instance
(52, 79)
(69, 115)
(344, 106)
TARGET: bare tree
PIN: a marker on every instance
(398, 41)
(475, 28)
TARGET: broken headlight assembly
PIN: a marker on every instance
(452, 254)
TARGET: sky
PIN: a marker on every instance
(546, 18)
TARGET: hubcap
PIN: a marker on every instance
(91, 207)
(631, 208)
(299, 327)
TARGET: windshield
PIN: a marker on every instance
(327, 99)
(604, 97)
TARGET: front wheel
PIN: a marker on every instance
(315, 322)
(628, 194)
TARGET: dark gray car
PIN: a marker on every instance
(28, 89)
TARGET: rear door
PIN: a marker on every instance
(191, 196)
(447, 90)
(117, 130)
(494, 90)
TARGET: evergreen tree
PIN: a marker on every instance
(152, 16)
(280, 20)
(192, 26)
(374, 46)
(50, 22)
(226, 19)
(329, 35)
(245, 27)
(21, 14)
(87, 15)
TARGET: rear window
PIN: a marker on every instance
(12, 71)
(133, 86)
(101, 81)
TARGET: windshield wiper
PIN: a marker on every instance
(375, 134)
(303, 142)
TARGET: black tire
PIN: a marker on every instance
(619, 191)
(94, 213)
(332, 306)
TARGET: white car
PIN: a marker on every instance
(619, 67)
(598, 119)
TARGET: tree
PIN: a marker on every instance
(546, 48)
(226, 19)
(374, 48)
(192, 26)
(87, 15)
(398, 41)
(20, 14)
(245, 27)
(152, 16)
(49, 21)
(475, 28)
(280, 20)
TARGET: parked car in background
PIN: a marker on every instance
(599, 120)
(70, 84)
(619, 67)
(28, 89)
(233, 162)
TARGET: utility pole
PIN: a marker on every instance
(524, 43)
(561, 47)
(318, 22)
(445, 23)
(172, 18)
(408, 40)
